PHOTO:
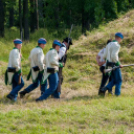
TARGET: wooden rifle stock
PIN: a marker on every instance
(19, 79)
(109, 70)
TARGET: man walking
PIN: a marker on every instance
(111, 56)
(13, 72)
(62, 58)
(37, 68)
(102, 63)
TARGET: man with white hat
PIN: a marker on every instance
(51, 71)
(13, 72)
(111, 56)
(37, 68)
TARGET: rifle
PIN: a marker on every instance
(65, 56)
(70, 32)
(19, 82)
(69, 35)
(109, 70)
(19, 79)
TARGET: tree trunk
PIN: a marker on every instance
(26, 24)
(85, 22)
(34, 15)
(41, 13)
(57, 14)
(11, 16)
(37, 16)
(20, 19)
(2, 18)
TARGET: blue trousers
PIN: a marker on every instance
(15, 86)
(53, 84)
(36, 84)
(56, 94)
(116, 79)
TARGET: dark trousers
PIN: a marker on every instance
(105, 77)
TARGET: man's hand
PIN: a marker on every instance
(20, 55)
(63, 64)
(120, 66)
(98, 61)
(101, 63)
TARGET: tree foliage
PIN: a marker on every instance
(60, 13)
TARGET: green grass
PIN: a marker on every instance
(89, 115)
(80, 110)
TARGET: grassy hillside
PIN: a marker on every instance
(80, 110)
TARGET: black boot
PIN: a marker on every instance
(22, 94)
(110, 93)
(99, 92)
(102, 91)
(38, 100)
(9, 96)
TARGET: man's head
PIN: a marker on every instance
(56, 45)
(18, 43)
(119, 37)
(42, 42)
(67, 41)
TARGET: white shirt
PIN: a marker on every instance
(62, 51)
(52, 61)
(111, 52)
(100, 54)
(14, 59)
(37, 57)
